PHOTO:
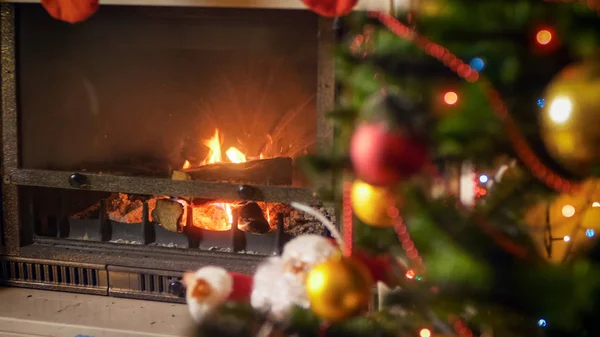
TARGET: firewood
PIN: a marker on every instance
(272, 171)
(169, 214)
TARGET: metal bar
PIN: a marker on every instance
(154, 186)
(10, 148)
(89, 253)
(237, 235)
(10, 155)
(105, 226)
(280, 233)
(190, 230)
(148, 231)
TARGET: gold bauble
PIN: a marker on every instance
(370, 204)
(570, 122)
(339, 288)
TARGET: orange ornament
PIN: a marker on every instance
(72, 11)
(331, 8)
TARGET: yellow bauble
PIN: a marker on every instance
(570, 122)
(371, 203)
(339, 288)
(591, 219)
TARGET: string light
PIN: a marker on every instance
(520, 144)
(590, 233)
(542, 323)
(543, 37)
(541, 102)
(477, 64)
(483, 178)
(567, 238)
(568, 211)
(410, 274)
(425, 333)
(450, 98)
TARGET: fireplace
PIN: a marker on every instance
(148, 141)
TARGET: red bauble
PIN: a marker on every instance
(383, 157)
(331, 8)
(71, 11)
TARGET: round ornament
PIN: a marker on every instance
(331, 8)
(71, 11)
(370, 204)
(570, 122)
(382, 157)
(339, 288)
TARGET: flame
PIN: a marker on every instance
(217, 216)
(214, 149)
(235, 155)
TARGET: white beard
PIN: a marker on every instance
(221, 284)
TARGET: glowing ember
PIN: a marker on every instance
(187, 164)
(215, 216)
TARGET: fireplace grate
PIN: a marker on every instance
(53, 275)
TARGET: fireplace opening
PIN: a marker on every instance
(205, 94)
(251, 227)
(147, 141)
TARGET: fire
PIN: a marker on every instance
(235, 155)
(214, 149)
(216, 216)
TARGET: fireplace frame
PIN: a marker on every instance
(27, 256)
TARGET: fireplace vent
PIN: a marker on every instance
(147, 284)
(53, 275)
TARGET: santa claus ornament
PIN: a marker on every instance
(331, 8)
(210, 286)
(279, 282)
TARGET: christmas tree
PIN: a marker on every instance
(503, 95)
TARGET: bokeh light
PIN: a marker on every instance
(425, 333)
(483, 178)
(590, 233)
(450, 98)
(477, 63)
(543, 37)
(541, 102)
(568, 211)
(567, 238)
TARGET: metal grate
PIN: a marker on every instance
(150, 284)
(53, 275)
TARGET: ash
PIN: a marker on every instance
(229, 250)
(168, 245)
(129, 242)
(299, 223)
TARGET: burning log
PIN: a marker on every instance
(252, 219)
(272, 171)
(170, 214)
